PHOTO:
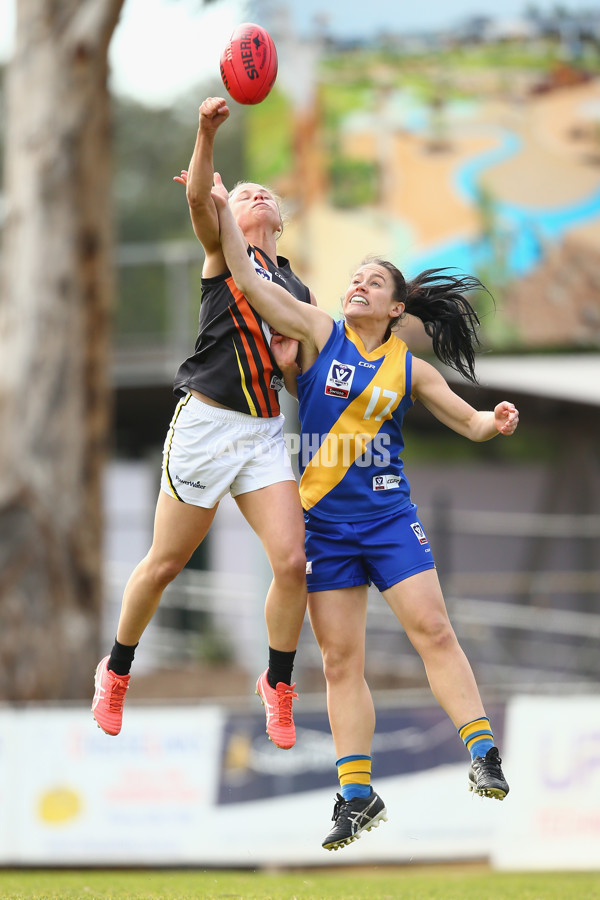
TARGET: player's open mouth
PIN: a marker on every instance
(359, 300)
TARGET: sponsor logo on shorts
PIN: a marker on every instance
(194, 484)
(386, 482)
(419, 533)
(309, 566)
(339, 379)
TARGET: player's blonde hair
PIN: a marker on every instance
(276, 197)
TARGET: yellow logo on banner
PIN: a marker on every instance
(59, 805)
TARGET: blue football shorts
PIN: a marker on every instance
(379, 551)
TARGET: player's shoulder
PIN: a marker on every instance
(423, 370)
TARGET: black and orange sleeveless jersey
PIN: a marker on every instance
(232, 361)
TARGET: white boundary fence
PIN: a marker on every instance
(158, 793)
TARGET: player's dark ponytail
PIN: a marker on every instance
(438, 300)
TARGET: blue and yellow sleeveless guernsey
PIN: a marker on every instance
(351, 406)
(232, 361)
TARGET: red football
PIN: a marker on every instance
(249, 63)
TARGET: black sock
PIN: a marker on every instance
(281, 663)
(121, 657)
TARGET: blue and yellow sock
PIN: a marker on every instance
(354, 774)
(477, 736)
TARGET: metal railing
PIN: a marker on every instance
(509, 642)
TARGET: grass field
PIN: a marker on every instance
(376, 883)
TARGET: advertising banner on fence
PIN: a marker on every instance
(202, 786)
(553, 811)
(74, 795)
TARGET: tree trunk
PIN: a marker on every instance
(57, 286)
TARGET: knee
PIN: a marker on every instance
(161, 572)
(291, 566)
(340, 664)
(436, 634)
(297, 565)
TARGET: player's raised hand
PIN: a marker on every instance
(506, 417)
(183, 178)
(213, 112)
(219, 192)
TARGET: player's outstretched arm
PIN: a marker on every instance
(198, 181)
(301, 321)
(431, 388)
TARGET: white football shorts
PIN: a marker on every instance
(210, 452)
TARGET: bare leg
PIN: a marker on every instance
(275, 514)
(338, 619)
(419, 605)
(178, 529)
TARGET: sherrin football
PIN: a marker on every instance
(249, 64)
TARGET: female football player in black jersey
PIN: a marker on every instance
(226, 436)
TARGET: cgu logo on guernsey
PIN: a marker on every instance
(339, 379)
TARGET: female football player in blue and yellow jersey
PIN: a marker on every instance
(226, 436)
(358, 380)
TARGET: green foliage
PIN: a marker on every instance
(340, 98)
(540, 56)
(497, 332)
(151, 145)
(420, 70)
(269, 130)
(354, 182)
(141, 310)
(433, 442)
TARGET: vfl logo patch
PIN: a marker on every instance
(339, 379)
(264, 273)
(419, 533)
(385, 482)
